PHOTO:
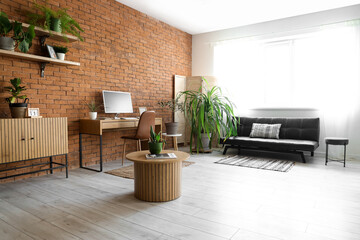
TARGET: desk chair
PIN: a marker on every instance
(147, 119)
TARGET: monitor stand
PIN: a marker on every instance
(117, 116)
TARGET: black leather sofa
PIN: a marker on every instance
(296, 136)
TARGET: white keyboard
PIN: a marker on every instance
(129, 118)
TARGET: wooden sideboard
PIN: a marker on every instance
(98, 127)
(33, 138)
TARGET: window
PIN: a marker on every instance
(297, 71)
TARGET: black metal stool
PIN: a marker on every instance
(336, 141)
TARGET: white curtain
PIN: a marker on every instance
(317, 69)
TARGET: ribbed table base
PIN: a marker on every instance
(157, 182)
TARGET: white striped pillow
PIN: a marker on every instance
(259, 130)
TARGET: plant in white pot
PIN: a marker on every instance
(92, 110)
(60, 52)
(22, 39)
(210, 114)
(174, 105)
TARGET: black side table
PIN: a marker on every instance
(336, 141)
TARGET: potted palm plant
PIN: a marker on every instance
(18, 110)
(210, 114)
(174, 105)
(155, 143)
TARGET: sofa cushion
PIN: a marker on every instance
(259, 130)
(274, 144)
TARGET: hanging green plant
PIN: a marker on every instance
(55, 20)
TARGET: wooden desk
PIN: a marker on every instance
(98, 127)
(157, 180)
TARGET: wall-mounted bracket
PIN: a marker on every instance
(42, 40)
(42, 68)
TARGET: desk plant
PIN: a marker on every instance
(93, 107)
(17, 109)
(20, 37)
(58, 21)
(60, 52)
(209, 114)
(155, 143)
(174, 105)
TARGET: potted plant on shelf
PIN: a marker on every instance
(21, 38)
(92, 110)
(17, 109)
(209, 114)
(155, 143)
(6, 43)
(58, 21)
(60, 52)
(174, 105)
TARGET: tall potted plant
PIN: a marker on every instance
(174, 105)
(17, 109)
(209, 113)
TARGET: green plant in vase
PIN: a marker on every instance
(55, 20)
(209, 114)
(60, 52)
(155, 143)
(20, 37)
(93, 107)
(17, 109)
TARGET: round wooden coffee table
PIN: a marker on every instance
(157, 180)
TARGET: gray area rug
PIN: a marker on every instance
(256, 162)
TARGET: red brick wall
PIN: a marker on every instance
(124, 50)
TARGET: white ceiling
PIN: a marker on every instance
(200, 16)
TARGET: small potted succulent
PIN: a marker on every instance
(174, 105)
(92, 110)
(155, 143)
(18, 110)
(60, 52)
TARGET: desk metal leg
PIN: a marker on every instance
(67, 165)
(344, 154)
(51, 165)
(81, 162)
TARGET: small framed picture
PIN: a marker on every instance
(51, 51)
(33, 112)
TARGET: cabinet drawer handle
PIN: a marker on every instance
(23, 139)
(32, 138)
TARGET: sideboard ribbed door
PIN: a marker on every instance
(29, 138)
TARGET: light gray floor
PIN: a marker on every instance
(311, 201)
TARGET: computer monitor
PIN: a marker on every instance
(117, 102)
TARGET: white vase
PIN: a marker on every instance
(93, 115)
(61, 56)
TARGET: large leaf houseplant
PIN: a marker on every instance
(208, 112)
(18, 109)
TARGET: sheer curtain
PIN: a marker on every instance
(317, 69)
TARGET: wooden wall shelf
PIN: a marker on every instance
(51, 34)
(36, 58)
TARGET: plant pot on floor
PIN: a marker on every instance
(93, 115)
(171, 128)
(205, 142)
(61, 56)
(7, 43)
(18, 110)
(155, 148)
